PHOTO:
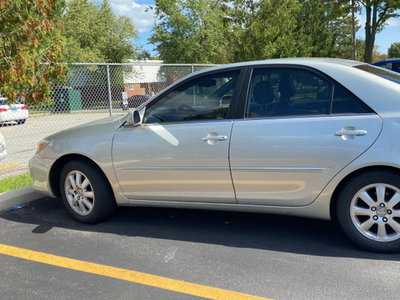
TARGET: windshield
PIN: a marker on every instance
(384, 73)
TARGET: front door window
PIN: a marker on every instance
(203, 98)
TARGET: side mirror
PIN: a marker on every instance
(134, 118)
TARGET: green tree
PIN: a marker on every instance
(264, 29)
(394, 50)
(376, 55)
(95, 34)
(326, 27)
(244, 30)
(189, 31)
(378, 12)
(315, 29)
(290, 28)
(31, 43)
(344, 27)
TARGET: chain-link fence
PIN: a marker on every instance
(91, 92)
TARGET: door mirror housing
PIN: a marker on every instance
(134, 117)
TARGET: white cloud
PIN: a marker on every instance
(142, 19)
(361, 19)
(394, 23)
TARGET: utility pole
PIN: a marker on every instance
(353, 37)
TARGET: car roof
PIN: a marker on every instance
(316, 62)
(298, 61)
(341, 70)
(306, 61)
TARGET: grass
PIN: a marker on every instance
(15, 182)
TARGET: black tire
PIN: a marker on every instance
(368, 211)
(91, 200)
(22, 121)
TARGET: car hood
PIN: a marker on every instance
(98, 127)
(92, 140)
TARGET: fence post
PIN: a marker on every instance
(109, 90)
(192, 68)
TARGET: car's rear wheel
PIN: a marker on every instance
(368, 210)
(85, 192)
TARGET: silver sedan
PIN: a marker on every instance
(307, 137)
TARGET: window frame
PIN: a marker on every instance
(241, 113)
(233, 104)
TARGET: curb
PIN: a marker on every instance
(16, 197)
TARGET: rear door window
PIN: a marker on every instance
(287, 92)
(279, 92)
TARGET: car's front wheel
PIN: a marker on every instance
(368, 210)
(85, 192)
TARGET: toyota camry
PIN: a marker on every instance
(316, 138)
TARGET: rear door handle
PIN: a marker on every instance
(350, 132)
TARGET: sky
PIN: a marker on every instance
(144, 21)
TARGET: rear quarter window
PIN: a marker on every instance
(346, 103)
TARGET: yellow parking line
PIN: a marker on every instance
(12, 165)
(122, 274)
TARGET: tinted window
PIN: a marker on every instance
(346, 103)
(204, 98)
(287, 92)
(396, 67)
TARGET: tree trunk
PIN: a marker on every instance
(370, 29)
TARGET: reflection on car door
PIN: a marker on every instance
(288, 161)
(175, 161)
(300, 131)
(180, 153)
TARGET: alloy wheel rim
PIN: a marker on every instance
(79, 193)
(375, 212)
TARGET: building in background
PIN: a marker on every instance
(143, 79)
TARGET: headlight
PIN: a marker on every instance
(41, 145)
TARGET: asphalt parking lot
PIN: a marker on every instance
(216, 255)
(147, 253)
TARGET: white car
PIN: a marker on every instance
(3, 151)
(13, 112)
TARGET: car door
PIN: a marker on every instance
(300, 130)
(180, 152)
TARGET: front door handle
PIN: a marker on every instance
(214, 138)
(350, 132)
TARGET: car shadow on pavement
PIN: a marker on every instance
(231, 229)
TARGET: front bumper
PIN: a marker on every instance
(39, 169)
